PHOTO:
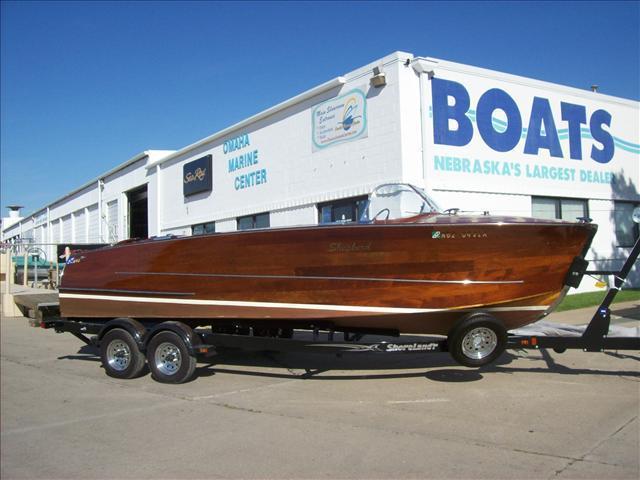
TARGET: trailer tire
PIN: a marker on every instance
(120, 355)
(477, 340)
(169, 358)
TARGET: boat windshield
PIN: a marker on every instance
(398, 200)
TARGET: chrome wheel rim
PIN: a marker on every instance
(168, 358)
(118, 355)
(479, 343)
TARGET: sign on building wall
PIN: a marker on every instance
(196, 176)
(244, 162)
(339, 120)
(487, 134)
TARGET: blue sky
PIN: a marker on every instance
(87, 85)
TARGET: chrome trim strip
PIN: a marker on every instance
(311, 277)
(134, 292)
(298, 306)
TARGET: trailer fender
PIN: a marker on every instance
(135, 328)
(186, 333)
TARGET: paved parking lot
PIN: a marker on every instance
(533, 415)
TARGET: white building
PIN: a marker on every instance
(476, 139)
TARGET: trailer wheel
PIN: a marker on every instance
(478, 340)
(169, 358)
(121, 357)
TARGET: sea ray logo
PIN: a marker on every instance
(435, 234)
(198, 175)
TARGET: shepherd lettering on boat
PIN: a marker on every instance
(349, 247)
(196, 177)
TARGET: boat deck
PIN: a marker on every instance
(34, 302)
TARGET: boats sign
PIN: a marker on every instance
(494, 133)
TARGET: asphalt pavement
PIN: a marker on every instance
(534, 414)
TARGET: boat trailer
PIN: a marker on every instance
(172, 347)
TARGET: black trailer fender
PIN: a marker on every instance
(191, 339)
(135, 328)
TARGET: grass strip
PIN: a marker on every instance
(593, 299)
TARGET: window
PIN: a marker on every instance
(559, 208)
(203, 228)
(347, 210)
(626, 229)
(249, 222)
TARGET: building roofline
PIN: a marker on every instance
(135, 158)
(425, 64)
(331, 84)
(116, 169)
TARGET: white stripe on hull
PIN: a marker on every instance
(296, 306)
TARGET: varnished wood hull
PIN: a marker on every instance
(413, 277)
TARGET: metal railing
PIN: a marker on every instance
(28, 264)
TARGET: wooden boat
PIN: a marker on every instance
(406, 268)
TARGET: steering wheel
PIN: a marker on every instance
(384, 210)
(37, 251)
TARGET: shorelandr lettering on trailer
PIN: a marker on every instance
(453, 126)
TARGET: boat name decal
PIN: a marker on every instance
(73, 260)
(438, 235)
(349, 247)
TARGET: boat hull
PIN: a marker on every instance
(411, 278)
